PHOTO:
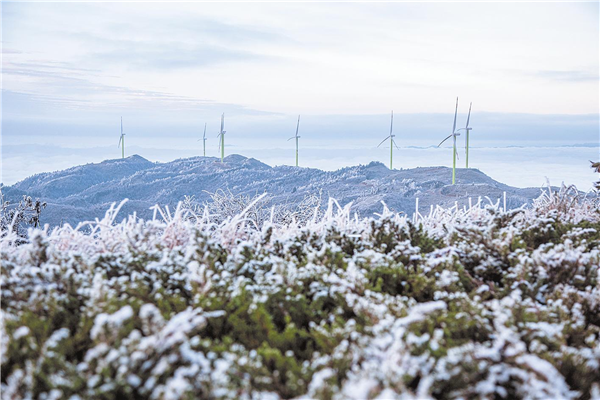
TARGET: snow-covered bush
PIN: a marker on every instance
(257, 210)
(461, 303)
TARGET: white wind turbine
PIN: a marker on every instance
(453, 135)
(467, 129)
(392, 142)
(296, 137)
(122, 140)
(204, 140)
(221, 137)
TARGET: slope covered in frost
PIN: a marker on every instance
(85, 192)
(463, 303)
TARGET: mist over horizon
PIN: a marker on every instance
(515, 166)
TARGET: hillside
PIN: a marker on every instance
(471, 303)
(85, 192)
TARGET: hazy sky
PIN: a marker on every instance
(70, 70)
(304, 58)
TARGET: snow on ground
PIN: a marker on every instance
(84, 192)
(516, 166)
(465, 303)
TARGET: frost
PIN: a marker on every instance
(21, 332)
(110, 323)
(447, 278)
(460, 303)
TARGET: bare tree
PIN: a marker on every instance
(18, 217)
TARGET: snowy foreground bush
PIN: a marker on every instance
(472, 303)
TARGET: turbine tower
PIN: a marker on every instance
(453, 135)
(221, 137)
(122, 140)
(296, 137)
(204, 140)
(467, 130)
(392, 142)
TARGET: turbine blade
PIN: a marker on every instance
(454, 146)
(222, 121)
(204, 130)
(120, 138)
(383, 141)
(392, 123)
(394, 142)
(298, 125)
(469, 115)
(293, 137)
(449, 136)
(455, 112)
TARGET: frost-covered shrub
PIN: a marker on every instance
(472, 303)
(257, 209)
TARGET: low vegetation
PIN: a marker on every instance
(462, 303)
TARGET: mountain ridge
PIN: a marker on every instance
(85, 192)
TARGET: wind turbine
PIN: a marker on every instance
(296, 137)
(392, 142)
(453, 135)
(221, 136)
(122, 140)
(204, 140)
(467, 129)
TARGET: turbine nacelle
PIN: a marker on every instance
(455, 134)
(391, 137)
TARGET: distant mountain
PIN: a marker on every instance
(72, 181)
(85, 192)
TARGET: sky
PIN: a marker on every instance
(71, 70)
